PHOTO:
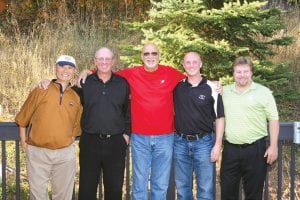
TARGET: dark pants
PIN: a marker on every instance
(106, 155)
(243, 162)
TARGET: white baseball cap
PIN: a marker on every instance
(66, 60)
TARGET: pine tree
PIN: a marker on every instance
(219, 34)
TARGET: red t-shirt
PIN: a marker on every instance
(152, 98)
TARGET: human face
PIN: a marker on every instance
(64, 73)
(150, 57)
(104, 60)
(192, 64)
(242, 75)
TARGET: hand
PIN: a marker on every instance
(218, 87)
(215, 153)
(82, 77)
(23, 144)
(271, 154)
(126, 138)
(43, 84)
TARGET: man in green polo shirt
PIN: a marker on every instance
(249, 108)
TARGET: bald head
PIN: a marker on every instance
(106, 51)
(150, 46)
(192, 54)
(104, 60)
(192, 64)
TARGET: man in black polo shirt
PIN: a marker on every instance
(196, 147)
(105, 126)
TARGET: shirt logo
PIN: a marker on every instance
(201, 96)
(162, 81)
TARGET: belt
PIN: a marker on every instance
(191, 137)
(103, 136)
(245, 145)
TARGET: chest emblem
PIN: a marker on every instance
(201, 97)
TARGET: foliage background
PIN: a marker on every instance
(34, 32)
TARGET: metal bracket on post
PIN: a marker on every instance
(296, 133)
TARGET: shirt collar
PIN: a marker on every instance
(185, 80)
(253, 86)
(96, 78)
(53, 81)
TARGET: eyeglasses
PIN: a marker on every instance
(150, 53)
(103, 59)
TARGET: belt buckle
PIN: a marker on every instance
(190, 137)
(244, 145)
(104, 136)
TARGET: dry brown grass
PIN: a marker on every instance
(25, 60)
(291, 55)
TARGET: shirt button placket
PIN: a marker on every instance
(103, 91)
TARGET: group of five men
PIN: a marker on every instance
(155, 92)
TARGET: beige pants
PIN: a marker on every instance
(57, 166)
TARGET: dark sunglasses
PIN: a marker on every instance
(150, 53)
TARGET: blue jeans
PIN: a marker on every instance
(192, 156)
(151, 155)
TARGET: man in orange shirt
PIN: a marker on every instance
(52, 119)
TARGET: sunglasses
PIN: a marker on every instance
(150, 53)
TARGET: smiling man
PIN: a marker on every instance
(152, 117)
(105, 129)
(52, 119)
(196, 147)
(249, 108)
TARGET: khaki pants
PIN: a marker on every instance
(57, 166)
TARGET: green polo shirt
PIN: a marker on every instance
(247, 114)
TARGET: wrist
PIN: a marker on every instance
(273, 146)
(218, 143)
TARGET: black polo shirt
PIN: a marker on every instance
(196, 107)
(105, 105)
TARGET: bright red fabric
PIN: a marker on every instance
(152, 98)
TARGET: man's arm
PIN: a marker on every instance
(23, 137)
(216, 150)
(272, 150)
(126, 111)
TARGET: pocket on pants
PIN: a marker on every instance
(124, 141)
(208, 137)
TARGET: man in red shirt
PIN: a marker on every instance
(152, 117)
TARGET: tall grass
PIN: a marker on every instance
(25, 60)
(290, 110)
(291, 53)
